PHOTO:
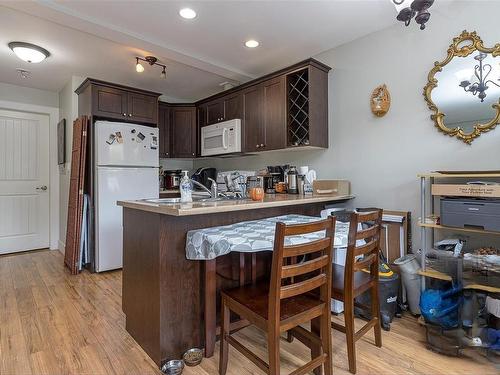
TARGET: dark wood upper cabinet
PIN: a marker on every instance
(233, 106)
(164, 130)
(253, 104)
(142, 108)
(184, 131)
(202, 121)
(112, 101)
(285, 109)
(109, 102)
(223, 109)
(274, 114)
(215, 111)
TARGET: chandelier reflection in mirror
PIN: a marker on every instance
(481, 73)
(407, 9)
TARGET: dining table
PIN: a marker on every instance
(246, 237)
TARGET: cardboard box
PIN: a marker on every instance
(336, 187)
(477, 191)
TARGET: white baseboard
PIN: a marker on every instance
(61, 246)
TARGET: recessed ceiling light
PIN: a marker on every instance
(187, 13)
(251, 43)
(29, 52)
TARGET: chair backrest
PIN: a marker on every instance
(290, 278)
(364, 256)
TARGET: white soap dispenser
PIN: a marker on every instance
(186, 188)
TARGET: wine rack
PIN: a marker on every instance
(298, 108)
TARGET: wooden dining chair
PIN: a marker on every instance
(359, 275)
(297, 293)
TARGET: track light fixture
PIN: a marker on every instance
(151, 60)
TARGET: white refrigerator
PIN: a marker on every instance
(127, 162)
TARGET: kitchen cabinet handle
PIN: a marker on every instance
(124, 114)
(130, 115)
(262, 145)
(257, 146)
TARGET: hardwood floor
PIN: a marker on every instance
(54, 323)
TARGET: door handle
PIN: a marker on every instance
(224, 138)
(43, 188)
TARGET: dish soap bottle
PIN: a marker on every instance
(186, 188)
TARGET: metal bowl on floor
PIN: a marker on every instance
(193, 357)
(173, 367)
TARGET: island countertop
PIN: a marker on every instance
(207, 207)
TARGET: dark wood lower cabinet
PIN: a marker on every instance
(162, 290)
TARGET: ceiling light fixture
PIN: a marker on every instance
(407, 9)
(480, 84)
(252, 43)
(187, 13)
(29, 52)
(151, 60)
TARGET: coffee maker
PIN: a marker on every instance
(202, 175)
(275, 174)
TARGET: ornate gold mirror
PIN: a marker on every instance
(463, 90)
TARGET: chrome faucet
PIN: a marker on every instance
(203, 187)
(213, 191)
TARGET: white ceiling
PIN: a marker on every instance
(101, 38)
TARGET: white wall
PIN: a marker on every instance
(25, 99)
(20, 94)
(381, 156)
(68, 105)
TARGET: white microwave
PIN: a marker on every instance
(221, 138)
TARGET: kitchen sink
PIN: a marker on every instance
(195, 199)
(162, 200)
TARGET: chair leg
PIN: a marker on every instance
(349, 333)
(273, 347)
(224, 346)
(326, 342)
(376, 314)
(317, 350)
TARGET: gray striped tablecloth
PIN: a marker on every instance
(252, 236)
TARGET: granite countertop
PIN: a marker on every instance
(207, 207)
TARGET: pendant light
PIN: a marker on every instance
(407, 9)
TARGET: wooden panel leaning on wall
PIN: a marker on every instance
(75, 201)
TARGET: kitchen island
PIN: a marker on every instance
(170, 302)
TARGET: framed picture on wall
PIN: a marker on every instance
(61, 142)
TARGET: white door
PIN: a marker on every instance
(24, 181)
